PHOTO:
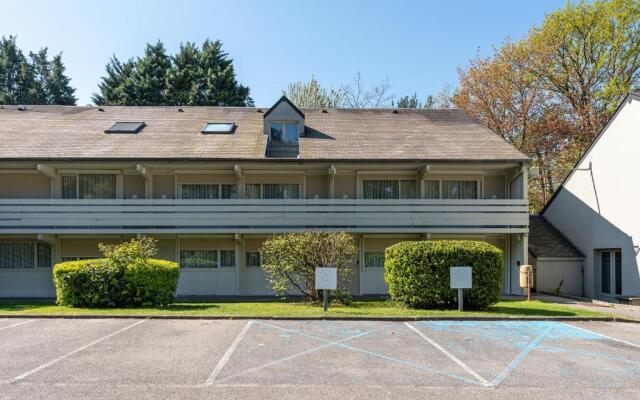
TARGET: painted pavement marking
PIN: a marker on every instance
(451, 356)
(602, 335)
(394, 360)
(17, 324)
(521, 357)
(227, 355)
(69, 354)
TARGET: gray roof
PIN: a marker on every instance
(53, 132)
(546, 241)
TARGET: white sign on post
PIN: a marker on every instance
(326, 278)
(460, 279)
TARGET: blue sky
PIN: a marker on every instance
(418, 45)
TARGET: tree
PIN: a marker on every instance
(194, 76)
(409, 102)
(290, 260)
(356, 95)
(442, 99)
(34, 79)
(551, 92)
(312, 95)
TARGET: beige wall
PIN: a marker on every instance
(345, 185)
(229, 178)
(494, 185)
(207, 244)
(31, 186)
(133, 185)
(317, 185)
(275, 178)
(166, 249)
(83, 247)
(164, 185)
(548, 273)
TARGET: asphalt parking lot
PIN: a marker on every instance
(133, 358)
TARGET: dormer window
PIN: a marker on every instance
(126, 127)
(219, 127)
(284, 132)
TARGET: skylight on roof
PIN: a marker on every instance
(126, 127)
(219, 127)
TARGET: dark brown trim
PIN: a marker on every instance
(286, 100)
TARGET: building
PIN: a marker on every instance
(596, 207)
(211, 183)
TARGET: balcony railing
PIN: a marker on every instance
(57, 216)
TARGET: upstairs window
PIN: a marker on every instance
(89, 186)
(284, 132)
(126, 127)
(273, 191)
(219, 127)
(207, 191)
(389, 189)
(450, 189)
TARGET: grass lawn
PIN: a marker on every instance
(274, 308)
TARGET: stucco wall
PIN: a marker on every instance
(26, 186)
(550, 273)
(601, 211)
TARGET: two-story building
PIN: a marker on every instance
(212, 183)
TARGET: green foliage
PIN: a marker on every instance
(342, 296)
(312, 95)
(126, 277)
(417, 273)
(290, 260)
(192, 77)
(34, 79)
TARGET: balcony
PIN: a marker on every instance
(57, 216)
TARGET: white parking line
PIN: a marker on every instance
(451, 356)
(17, 324)
(227, 355)
(602, 335)
(69, 354)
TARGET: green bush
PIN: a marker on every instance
(126, 277)
(417, 273)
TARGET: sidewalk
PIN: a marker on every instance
(622, 310)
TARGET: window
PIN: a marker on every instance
(227, 258)
(25, 255)
(451, 189)
(374, 259)
(77, 258)
(272, 191)
(228, 192)
(207, 191)
(199, 258)
(253, 259)
(218, 127)
(284, 132)
(89, 186)
(389, 189)
(605, 270)
(126, 127)
(618, 272)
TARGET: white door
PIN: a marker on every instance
(372, 273)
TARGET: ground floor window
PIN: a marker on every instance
(25, 255)
(207, 258)
(374, 259)
(253, 259)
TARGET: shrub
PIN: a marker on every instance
(126, 277)
(417, 273)
(290, 261)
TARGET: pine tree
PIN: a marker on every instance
(150, 75)
(183, 80)
(59, 90)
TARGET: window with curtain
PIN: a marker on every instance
(432, 190)
(228, 191)
(44, 255)
(408, 189)
(69, 187)
(89, 186)
(252, 191)
(17, 255)
(227, 258)
(253, 259)
(374, 259)
(381, 189)
(460, 190)
(199, 258)
(198, 191)
(281, 191)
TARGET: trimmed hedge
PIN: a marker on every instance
(417, 273)
(101, 283)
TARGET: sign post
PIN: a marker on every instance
(460, 279)
(326, 279)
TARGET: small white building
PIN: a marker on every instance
(598, 207)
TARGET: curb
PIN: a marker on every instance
(317, 318)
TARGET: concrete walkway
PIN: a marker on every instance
(623, 310)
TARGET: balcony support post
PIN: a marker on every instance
(239, 248)
(148, 183)
(237, 169)
(332, 181)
